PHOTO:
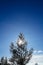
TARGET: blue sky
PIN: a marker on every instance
(21, 16)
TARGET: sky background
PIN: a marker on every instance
(24, 16)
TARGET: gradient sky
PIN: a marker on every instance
(24, 16)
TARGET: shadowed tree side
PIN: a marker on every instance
(20, 54)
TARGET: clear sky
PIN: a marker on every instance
(24, 16)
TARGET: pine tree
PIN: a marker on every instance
(36, 63)
(20, 54)
(3, 61)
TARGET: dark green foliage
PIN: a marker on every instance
(20, 54)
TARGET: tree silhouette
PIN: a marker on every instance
(36, 63)
(3, 61)
(20, 54)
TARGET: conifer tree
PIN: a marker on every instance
(20, 54)
(36, 63)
